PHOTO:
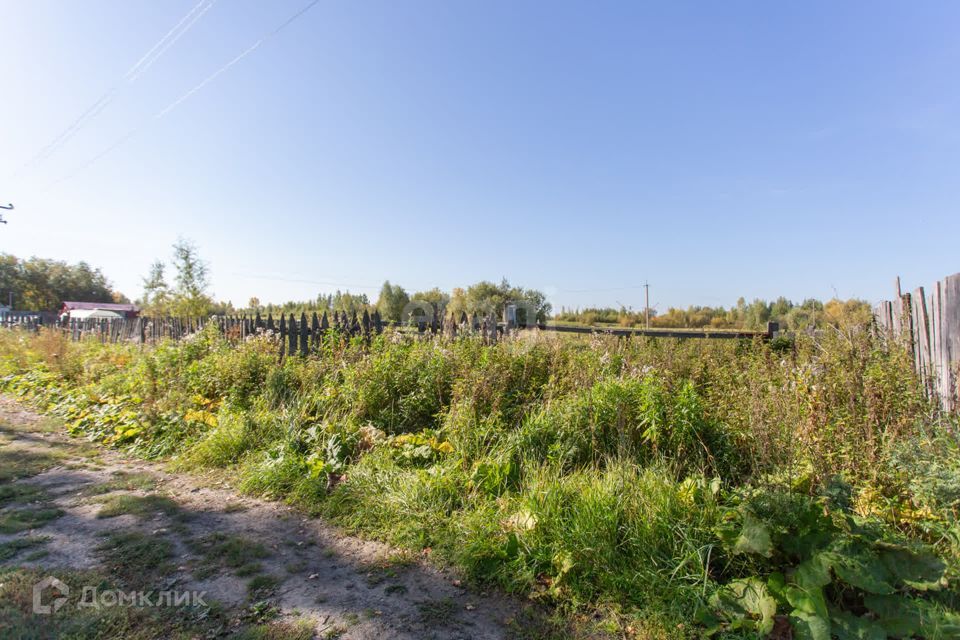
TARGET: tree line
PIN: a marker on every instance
(753, 316)
(39, 284)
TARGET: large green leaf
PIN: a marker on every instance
(904, 617)
(847, 626)
(754, 538)
(809, 600)
(900, 616)
(750, 601)
(860, 567)
(809, 626)
(813, 572)
(920, 571)
(776, 583)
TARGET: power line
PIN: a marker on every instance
(173, 105)
(170, 107)
(137, 70)
(168, 40)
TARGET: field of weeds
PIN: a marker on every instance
(642, 487)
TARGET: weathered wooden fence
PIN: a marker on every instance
(303, 335)
(27, 319)
(929, 325)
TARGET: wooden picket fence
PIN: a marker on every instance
(302, 335)
(930, 327)
(296, 336)
(27, 319)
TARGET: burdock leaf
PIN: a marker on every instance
(748, 600)
(920, 571)
(754, 538)
(847, 626)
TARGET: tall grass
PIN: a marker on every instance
(590, 473)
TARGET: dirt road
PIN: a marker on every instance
(75, 511)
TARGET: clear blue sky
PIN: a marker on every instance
(714, 149)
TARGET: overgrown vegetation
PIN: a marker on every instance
(753, 316)
(677, 488)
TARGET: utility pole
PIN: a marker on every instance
(646, 306)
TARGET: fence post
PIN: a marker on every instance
(773, 329)
(315, 332)
(292, 334)
(303, 334)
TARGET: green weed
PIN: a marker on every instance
(11, 548)
(140, 506)
(597, 476)
(17, 520)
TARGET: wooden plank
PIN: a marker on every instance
(936, 346)
(292, 334)
(315, 332)
(921, 321)
(896, 309)
(304, 333)
(950, 339)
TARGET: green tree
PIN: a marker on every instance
(391, 302)
(191, 297)
(435, 298)
(349, 302)
(488, 298)
(847, 314)
(156, 292)
(40, 284)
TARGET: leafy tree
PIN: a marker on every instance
(847, 313)
(804, 316)
(435, 298)
(392, 300)
(349, 302)
(156, 292)
(190, 297)
(40, 284)
(757, 315)
(488, 298)
(458, 302)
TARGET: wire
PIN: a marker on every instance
(170, 107)
(137, 70)
(173, 105)
(171, 38)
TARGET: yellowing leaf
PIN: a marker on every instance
(522, 521)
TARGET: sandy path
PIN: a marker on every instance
(346, 587)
